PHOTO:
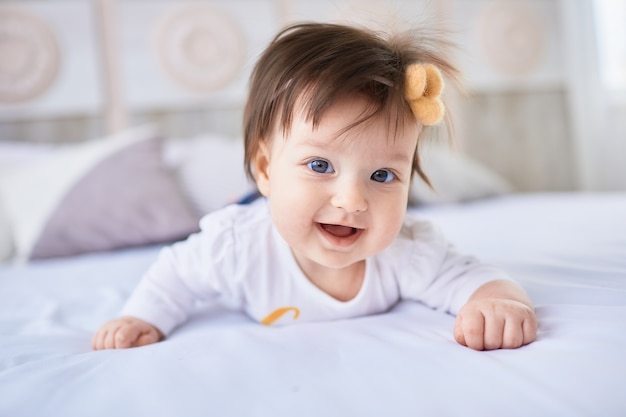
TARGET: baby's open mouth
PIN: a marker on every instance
(338, 230)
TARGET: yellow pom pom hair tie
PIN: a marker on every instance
(424, 85)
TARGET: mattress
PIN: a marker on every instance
(567, 250)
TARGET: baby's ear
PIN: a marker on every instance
(261, 165)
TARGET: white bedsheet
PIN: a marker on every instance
(567, 250)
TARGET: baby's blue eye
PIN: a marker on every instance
(321, 166)
(383, 175)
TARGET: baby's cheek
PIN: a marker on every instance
(388, 231)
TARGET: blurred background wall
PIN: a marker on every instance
(545, 80)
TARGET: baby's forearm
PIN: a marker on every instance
(501, 289)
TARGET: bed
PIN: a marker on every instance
(567, 249)
(80, 222)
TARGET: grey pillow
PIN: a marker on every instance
(125, 196)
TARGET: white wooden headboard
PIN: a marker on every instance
(74, 69)
(84, 57)
(66, 58)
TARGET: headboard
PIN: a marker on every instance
(71, 70)
(116, 62)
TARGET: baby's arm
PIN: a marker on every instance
(125, 332)
(498, 315)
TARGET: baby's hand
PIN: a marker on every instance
(125, 332)
(495, 323)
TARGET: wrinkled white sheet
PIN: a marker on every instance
(567, 250)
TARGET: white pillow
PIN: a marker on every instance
(210, 170)
(99, 195)
(12, 155)
(455, 178)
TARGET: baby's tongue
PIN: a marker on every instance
(337, 230)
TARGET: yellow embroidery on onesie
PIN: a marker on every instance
(278, 313)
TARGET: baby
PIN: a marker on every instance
(332, 126)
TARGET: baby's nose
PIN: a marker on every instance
(350, 196)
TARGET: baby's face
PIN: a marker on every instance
(337, 200)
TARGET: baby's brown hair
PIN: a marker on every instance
(314, 64)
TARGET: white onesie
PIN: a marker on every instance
(239, 256)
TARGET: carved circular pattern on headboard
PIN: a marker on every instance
(29, 56)
(201, 48)
(371, 14)
(512, 36)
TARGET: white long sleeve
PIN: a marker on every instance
(238, 255)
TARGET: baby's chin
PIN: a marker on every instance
(330, 260)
